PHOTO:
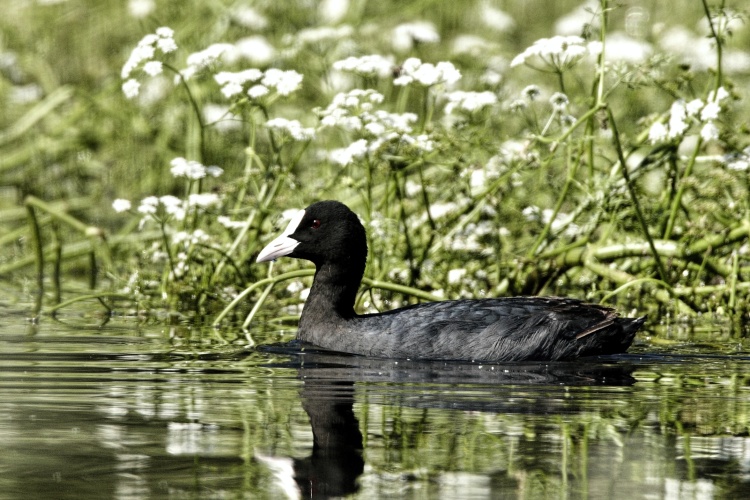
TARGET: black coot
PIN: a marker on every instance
(503, 329)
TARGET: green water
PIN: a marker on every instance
(129, 411)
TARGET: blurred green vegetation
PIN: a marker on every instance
(71, 141)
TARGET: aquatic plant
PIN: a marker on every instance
(597, 164)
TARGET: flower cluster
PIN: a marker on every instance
(318, 35)
(232, 83)
(191, 169)
(143, 55)
(293, 128)
(557, 53)
(371, 65)
(426, 74)
(406, 35)
(198, 61)
(681, 114)
(346, 107)
(256, 83)
(469, 101)
(165, 207)
(161, 207)
(354, 111)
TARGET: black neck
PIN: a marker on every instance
(332, 295)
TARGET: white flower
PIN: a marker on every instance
(231, 89)
(495, 18)
(347, 155)
(694, 107)
(375, 128)
(203, 200)
(491, 78)
(197, 236)
(405, 36)
(173, 206)
(531, 92)
(166, 45)
(292, 127)
(719, 95)
(657, 133)
(558, 52)
(318, 35)
(426, 74)
(440, 210)
(399, 122)
(370, 65)
(285, 82)
(623, 48)
(709, 132)
(349, 109)
(710, 111)
(180, 167)
(153, 68)
(421, 142)
(131, 88)
(241, 77)
(146, 50)
(469, 101)
(214, 171)
(332, 11)
(200, 60)
(295, 287)
(456, 275)
(471, 45)
(148, 205)
(141, 8)
(677, 123)
(209, 55)
(255, 49)
(248, 17)
(232, 82)
(121, 205)
(229, 223)
(559, 101)
(257, 91)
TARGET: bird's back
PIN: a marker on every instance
(502, 329)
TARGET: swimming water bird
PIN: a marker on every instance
(331, 236)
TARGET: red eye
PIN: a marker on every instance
(315, 224)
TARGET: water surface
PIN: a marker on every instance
(127, 410)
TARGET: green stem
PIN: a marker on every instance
(572, 169)
(36, 237)
(196, 110)
(167, 246)
(81, 298)
(406, 290)
(634, 197)
(247, 291)
(719, 42)
(682, 186)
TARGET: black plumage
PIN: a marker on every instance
(499, 329)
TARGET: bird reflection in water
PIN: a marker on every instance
(328, 395)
